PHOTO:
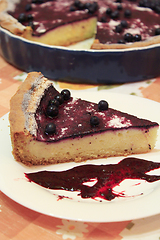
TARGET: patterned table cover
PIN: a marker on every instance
(20, 223)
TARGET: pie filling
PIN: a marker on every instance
(118, 21)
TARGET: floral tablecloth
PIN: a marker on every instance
(20, 223)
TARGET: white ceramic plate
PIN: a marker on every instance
(14, 184)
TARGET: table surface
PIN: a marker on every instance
(18, 222)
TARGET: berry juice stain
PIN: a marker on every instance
(106, 176)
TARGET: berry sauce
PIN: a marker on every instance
(107, 177)
(142, 17)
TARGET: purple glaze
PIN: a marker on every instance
(142, 21)
(52, 14)
(107, 176)
(74, 117)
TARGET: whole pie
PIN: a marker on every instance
(49, 127)
(111, 23)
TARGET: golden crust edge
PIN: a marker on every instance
(16, 115)
(12, 25)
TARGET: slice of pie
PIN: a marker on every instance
(48, 127)
(49, 22)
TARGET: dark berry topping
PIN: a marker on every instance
(22, 17)
(72, 8)
(28, 7)
(66, 94)
(54, 102)
(103, 19)
(124, 23)
(137, 38)
(77, 3)
(52, 111)
(152, 4)
(103, 105)
(115, 14)
(157, 9)
(87, 5)
(141, 3)
(127, 13)
(157, 31)
(128, 37)
(93, 7)
(94, 121)
(29, 17)
(119, 28)
(108, 11)
(59, 98)
(82, 6)
(38, 1)
(119, 7)
(50, 128)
